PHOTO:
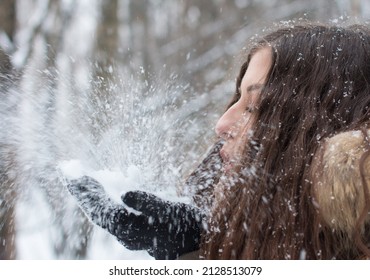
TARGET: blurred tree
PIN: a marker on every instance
(42, 41)
(106, 58)
(8, 18)
(7, 192)
(96, 43)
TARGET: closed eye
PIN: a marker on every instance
(255, 87)
(250, 109)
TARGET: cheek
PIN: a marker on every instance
(244, 126)
(238, 144)
(244, 132)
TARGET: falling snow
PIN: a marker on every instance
(140, 121)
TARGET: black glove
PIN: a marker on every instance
(166, 230)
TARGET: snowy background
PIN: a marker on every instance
(127, 92)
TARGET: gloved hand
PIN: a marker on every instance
(166, 230)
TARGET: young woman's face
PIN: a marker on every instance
(235, 124)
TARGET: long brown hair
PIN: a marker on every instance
(317, 87)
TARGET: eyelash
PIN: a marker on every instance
(249, 110)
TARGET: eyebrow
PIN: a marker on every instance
(254, 87)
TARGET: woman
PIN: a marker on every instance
(316, 87)
(300, 87)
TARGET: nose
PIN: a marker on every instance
(226, 126)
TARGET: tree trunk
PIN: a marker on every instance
(7, 17)
(7, 212)
(7, 193)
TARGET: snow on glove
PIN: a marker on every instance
(94, 201)
(165, 229)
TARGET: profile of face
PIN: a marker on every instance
(234, 126)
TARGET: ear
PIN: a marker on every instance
(338, 186)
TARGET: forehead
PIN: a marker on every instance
(258, 68)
